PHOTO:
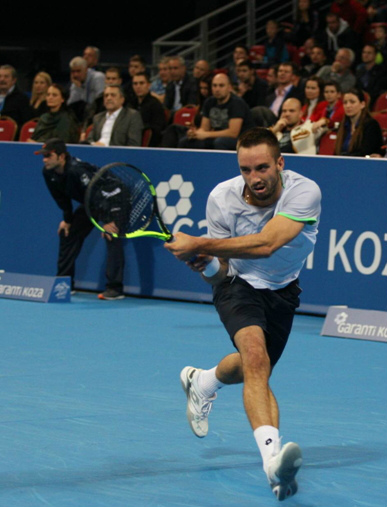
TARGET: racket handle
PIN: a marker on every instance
(172, 239)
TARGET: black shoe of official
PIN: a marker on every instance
(111, 295)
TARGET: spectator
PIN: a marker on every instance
(293, 135)
(337, 34)
(308, 46)
(340, 70)
(92, 54)
(333, 108)
(251, 88)
(287, 76)
(353, 12)
(271, 78)
(136, 64)
(201, 69)
(370, 77)
(182, 89)
(40, 85)
(359, 134)
(159, 84)
(240, 53)
(58, 122)
(119, 125)
(381, 43)
(174, 132)
(225, 117)
(275, 47)
(313, 103)
(13, 102)
(318, 59)
(112, 77)
(151, 110)
(305, 23)
(86, 85)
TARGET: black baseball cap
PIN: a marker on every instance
(54, 145)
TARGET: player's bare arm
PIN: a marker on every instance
(277, 232)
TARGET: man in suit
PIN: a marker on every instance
(182, 89)
(13, 102)
(287, 76)
(119, 125)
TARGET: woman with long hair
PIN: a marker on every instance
(40, 85)
(313, 103)
(359, 134)
(58, 121)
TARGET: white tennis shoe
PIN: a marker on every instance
(198, 406)
(282, 470)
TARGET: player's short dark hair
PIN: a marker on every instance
(260, 135)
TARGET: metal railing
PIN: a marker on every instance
(214, 36)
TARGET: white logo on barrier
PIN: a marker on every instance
(61, 290)
(169, 213)
(341, 318)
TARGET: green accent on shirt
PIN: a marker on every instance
(307, 220)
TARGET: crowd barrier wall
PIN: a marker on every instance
(348, 267)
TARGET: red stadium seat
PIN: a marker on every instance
(146, 137)
(262, 73)
(327, 143)
(8, 128)
(255, 51)
(27, 130)
(381, 118)
(381, 103)
(185, 115)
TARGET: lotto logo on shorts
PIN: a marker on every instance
(173, 198)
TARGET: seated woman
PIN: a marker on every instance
(58, 121)
(359, 134)
(313, 104)
(333, 108)
(305, 23)
(40, 85)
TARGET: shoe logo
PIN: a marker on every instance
(268, 441)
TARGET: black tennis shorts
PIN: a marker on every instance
(240, 305)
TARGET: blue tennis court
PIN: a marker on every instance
(92, 412)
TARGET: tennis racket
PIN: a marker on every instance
(123, 194)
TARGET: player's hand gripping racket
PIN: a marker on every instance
(121, 194)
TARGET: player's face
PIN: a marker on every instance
(331, 95)
(312, 90)
(261, 173)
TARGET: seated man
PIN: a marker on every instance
(293, 135)
(136, 64)
(225, 117)
(340, 70)
(118, 126)
(151, 110)
(251, 88)
(371, 77)
(86, 85)
(182, 89)
(92, 54)
(160, 82)
(13, 102)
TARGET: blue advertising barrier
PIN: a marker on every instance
(348, 267)
(41, 289)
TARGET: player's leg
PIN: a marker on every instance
(71, 245)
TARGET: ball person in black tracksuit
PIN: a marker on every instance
(67, 178)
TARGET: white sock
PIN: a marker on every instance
(208, 383)
(268, 441)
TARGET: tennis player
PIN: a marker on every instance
(262, 225)
(67, 179)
